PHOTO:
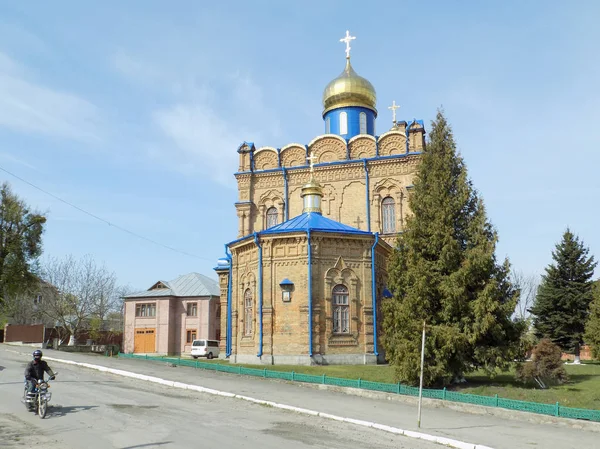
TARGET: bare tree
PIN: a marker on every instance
(23, 306)
(106, 299)
(19, 307)
(83, 290)
(113, 323)
(528, 285)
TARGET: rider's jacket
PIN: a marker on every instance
(36, 370)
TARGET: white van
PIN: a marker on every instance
(205, 348)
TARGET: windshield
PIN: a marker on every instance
(199, 343)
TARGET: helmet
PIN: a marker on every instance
(37, 354)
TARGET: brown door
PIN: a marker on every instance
(144, 341)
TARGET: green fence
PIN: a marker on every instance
(445, 395)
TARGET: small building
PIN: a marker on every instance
(169, 316)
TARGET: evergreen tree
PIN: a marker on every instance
(545, 368)
(592, 327)
(444, 272)
(20, 242)
(562, 304)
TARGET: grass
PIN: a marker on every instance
(582, 390)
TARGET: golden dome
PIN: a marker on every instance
(312, 187)
(349, 89)
(312, 192)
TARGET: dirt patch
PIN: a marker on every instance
(324, 434)
(130, 406)
(15, 432)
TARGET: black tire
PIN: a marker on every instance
(195, 356)
(209, 356)
(42, 406)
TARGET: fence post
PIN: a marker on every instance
(497, 402)
(444, 394)
(398, 387)
(146, 356)
(265, 372)
(323, 379)
(196, 363)
(240, 369)
(292, 376)
(359, 383)
(179, 360)
(557, 412)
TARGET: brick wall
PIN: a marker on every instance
(585, 353)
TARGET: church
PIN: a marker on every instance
(303, 281)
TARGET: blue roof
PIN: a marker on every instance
(314, 222)
(410, 122)
(249, 145)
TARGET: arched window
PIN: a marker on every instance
(363, 122)
(388, 213)
(271, 216)
(341, 310)
(248, 303)
(343, 123)
(328, 125)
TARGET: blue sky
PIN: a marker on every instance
(134, 111)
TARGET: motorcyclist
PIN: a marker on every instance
(35, 370)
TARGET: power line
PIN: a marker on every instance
(102, 219)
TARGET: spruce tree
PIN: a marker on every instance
(562, 304)
(592, 327)
(444, 272)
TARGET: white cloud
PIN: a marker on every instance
(205, 141)
(178, 81)
(19, 161)
(208, 117)
(28, 107)
(7, 65)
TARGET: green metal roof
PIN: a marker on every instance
(191, 284)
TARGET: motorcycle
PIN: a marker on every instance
(38, 399)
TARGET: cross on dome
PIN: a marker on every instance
(347, 40)
(312, 192)
(311, 160)
(393, 107)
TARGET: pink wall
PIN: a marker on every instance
(172, 323)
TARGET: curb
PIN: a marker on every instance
(395, 430)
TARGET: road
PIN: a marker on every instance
(93, 410)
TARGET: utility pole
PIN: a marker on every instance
(421, 382)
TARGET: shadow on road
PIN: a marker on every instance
(147, 445)
(99, 382)
(56, 411)
(485, 426)
(69, 381)
(1, 367)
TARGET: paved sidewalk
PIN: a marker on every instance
(493, 431)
